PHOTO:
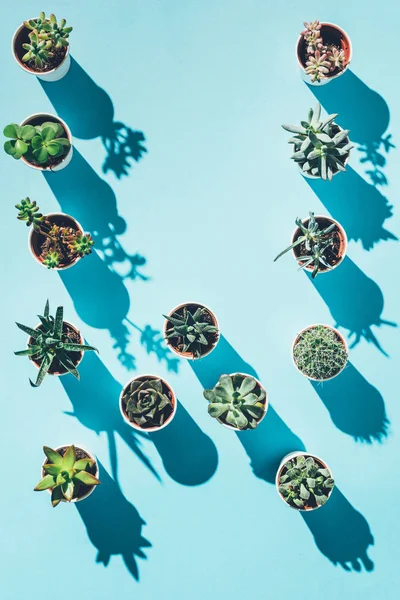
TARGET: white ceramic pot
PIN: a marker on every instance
(346, 45)
(188, 355)
(344, 240)
(54, 74)
(339, 336)
(33, 234)
(265, 408)
(91, 456)
(67, 158)
(148, 429)
(81, 341)
(290, 456)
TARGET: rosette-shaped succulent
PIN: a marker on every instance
(305, 483)
(80, 244)
(191, 330)
(146, 404)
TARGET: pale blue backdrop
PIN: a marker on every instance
(182, 172)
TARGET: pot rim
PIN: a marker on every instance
(344, 34)
(148, 429)
(23, 65)
(67, 131)
(190, 356)
(92, 456)
(284, 460)
(33, 232)
(340, 336)
(80, 352)
(345, 242)
(265, 406)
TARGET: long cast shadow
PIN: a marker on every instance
(366, 114)
(356, 407)
(89, 112)
(114, 526)
(356, 302)
(344, 541)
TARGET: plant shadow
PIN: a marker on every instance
(356, 407)
(366, 114)
(114, 526)
(343, 541)
(356, 302)
(89, 112)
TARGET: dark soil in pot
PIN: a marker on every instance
(333, 254)
(212, 338)
(313, 503)
(75, 338)
(168, 409)
(53, 161)
(81, 489)
(331, 37)
(40, 244)
(53, 62)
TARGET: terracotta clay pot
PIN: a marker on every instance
(342, 248)
(35, 238)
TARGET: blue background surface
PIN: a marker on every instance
(207, 200)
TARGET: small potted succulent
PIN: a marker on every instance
(54, 346)
(57, 241)
(321, 147)
(304, 481)
(238, 401)
(319, 244)
(323, 52)
(41, 47)
(43, 141)
(320, 352)
(69, 474)
(148, 403)
(191, 330)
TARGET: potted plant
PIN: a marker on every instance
(54, 346)
(69, 473)
(148, 403)
(321, 147)
(43, 141)
(56, 240)
(323, 52)
(319, 244)
(304, 481)
(320, 352)
(238, 401)
(191, 330)
(41, 47)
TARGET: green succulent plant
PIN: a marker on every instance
(146, 404)
(237, 400)
(319, 353)
(46, 36)
(65, 474)
(56, 32)
(52, 259)
(50, 342)
(37, 24)
(37, 143)
(320, 146)
(38, 50)
(190, 329)
(80, 244)
(29, 212)
(316, 242)
(304, 483)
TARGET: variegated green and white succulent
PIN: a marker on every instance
(304, 483)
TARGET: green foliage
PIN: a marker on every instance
(237, 400)
(319, 353)
(190, 329)
(36, 143)
(146, 404)
(316, 241)
(304, 483)
(65, 474)
(50, 342)
(29, 212)
(80, 245)
(321, 59)
(320, 146)
(37, 50)
(52, 259)
(46, 36)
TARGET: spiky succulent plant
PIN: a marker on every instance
(316, 242)
(51, 341)
(321, 59)
(320, 146)
(304, 483)
(146, 404)
(65, 474)
(319, 353)
(38, 144)
(46, 36)
(237, 400)
(190, 329)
